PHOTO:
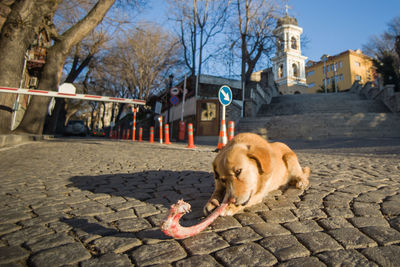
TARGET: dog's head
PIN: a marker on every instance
(240, 169)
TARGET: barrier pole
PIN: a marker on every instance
(134, 124)
(181, 135)
(140, 134)
(190, 136)
(166, 133)
(231, 130)
(151, 134)
(161, 129)
(119, 132)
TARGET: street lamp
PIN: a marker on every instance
(334, 77)
(325, 58)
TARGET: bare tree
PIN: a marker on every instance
(200, 21)
(143, 59)
(385, 49)
(17, 34)
(81, 55)
(251, 35)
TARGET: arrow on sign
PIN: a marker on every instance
(226, 95)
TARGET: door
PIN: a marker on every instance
(207, 117)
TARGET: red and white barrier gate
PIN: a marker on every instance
(74, 96)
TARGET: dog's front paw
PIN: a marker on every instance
(303, 183)
(231, 210)
(211, 205)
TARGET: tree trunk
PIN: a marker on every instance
(17, 34)
(35, 116)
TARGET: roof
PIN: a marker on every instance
(286, 20)
(358, 52)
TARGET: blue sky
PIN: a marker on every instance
(332, 26)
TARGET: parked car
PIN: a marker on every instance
(75, 127)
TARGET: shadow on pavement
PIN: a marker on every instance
(148, 193)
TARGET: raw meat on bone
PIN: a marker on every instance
(171, 226)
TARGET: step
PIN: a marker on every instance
(321, 103)
(354, 106)
(323, 125)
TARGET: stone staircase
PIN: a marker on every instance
(321, 116)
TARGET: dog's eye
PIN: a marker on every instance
(238, 172)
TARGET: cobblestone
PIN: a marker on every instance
(249, 254)
(101, 202)
(285, 247)
(345, 258)
(204, 243)
(58, 256)
(352, 238)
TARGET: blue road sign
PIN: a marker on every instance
(225, 95)
(174, 100)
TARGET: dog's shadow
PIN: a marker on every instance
(151, 193)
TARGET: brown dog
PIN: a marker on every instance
(248, 168)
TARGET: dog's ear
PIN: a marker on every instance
(262, 157)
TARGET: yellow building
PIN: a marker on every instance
(346, 68)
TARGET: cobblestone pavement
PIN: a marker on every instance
(94, 202)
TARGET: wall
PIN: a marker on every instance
(175, 111)
(386, 94)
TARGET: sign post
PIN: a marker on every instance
(225, 98)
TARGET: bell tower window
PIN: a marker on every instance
(295, 70)
(280, 71)
(293, 43)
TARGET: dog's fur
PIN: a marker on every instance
(248, 168)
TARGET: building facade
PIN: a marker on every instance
(338, 73)
(289, 63)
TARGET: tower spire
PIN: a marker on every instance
(287, 7)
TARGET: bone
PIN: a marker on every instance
(171, 226)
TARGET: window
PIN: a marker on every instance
(280, 71)
(311, 85)
(278, 45)
(341, 77)
(340, 64)
(311, 72)
(331, 67)
(358, 78)
(295, 70)
(293, 42)
(357, 64)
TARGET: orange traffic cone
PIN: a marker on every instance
(222, 140)
(231, 130)
(151, 134)
(190, 136)
(166, 134)
(140, 134)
